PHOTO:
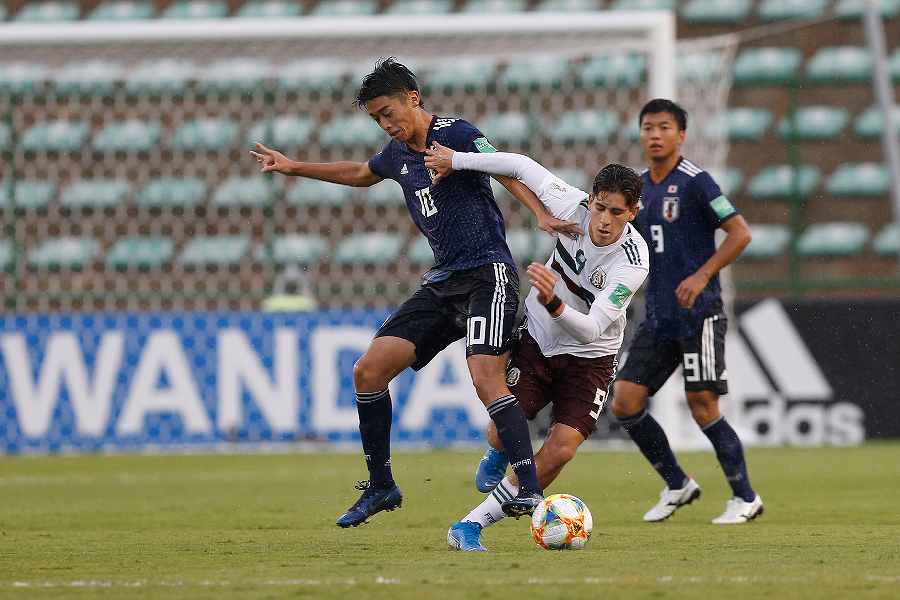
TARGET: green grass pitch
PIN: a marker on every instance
(262, 526)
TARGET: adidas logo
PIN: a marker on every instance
(404, 170)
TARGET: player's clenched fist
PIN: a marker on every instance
(543, 280)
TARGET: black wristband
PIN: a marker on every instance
(553, 305)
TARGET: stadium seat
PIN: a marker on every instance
(32, 195)
(465, 73)
(196, 9)
(243, 191)
(729, 181)
(269, 9)
(343, 8)
(128, 136)
(853, 9)
(833, 239)
(871, 123)
(716, 12)
(169, 192)
(768, 65)
(840, 64)
(235, 74)
(140, 252)
(887, 242)
(2, 12)
(769, 241)
(493, 7)
(205, 134)
(521, 244)
(160, 76)
(122, 10)
(535, 72)
(64, 253)
(320, 74)
(777, 10)
(311, 192)
(643, 5)
(617, 70)
(217, 250)
(5, 136)
(506, 128)
(55, 136)
(352, 131)
(420, 252)
(96, 193)
(630, 130)
(6, 254)
(386, 193)
(740, 124)
(92, 77)
(585, 126)
(894, 65)
(295, 249)
(45, 12)
(569, 6)
(377, 248)
(282, 132)
(419, 7)
(779, 182)
(859, 179)
(700, 66)
(22, 77)
(815, 123)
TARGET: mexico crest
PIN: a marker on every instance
(670, 208)
(598, 278)
(512, 376)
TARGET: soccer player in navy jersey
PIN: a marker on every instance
(472, 291)
(682, 207)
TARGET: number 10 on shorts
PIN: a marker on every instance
(477, 331)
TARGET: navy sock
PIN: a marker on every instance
(730, 453)
(654, 445)
(512, 427)
(375, 412)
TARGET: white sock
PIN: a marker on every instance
(489, 511)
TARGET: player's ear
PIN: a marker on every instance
(415, 100)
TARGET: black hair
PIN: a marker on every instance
(390, 78)
(662, 105)
(615, 178)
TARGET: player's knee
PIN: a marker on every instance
(704, 409)
(367, 376)
(627, 400)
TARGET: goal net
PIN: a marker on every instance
(126, 182)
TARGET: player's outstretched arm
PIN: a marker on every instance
(736, 239)
(345, 172)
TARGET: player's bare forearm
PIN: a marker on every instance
(344, 172)
(545, 220)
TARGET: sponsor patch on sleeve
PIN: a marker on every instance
(483, 145)
(620, 295)
(722, 207)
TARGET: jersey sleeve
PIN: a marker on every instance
(624, 282)
(560, 198)
(381, 164)
(715, 206)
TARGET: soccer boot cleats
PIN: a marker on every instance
(523, 504)
(465, 536)
(491, 470)
(373, 500)
(738, 510)
(672, 500)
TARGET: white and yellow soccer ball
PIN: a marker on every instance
(561, 522)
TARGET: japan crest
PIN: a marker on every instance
(670, 208)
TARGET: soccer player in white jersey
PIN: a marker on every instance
(574, 313)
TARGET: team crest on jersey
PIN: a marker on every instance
(670, 208)
(598, 278)
(512, 376)
(673, 189)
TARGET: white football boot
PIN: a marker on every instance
(672, 500)
(737, 511)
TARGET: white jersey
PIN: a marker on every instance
(597, 281)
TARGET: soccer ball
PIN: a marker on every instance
(561, 522)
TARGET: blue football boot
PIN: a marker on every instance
(465, 536)
(373, 500)
(490, 470)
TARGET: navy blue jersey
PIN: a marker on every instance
(459, 215)
(678, 219)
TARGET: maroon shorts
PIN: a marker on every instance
(576, 386)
